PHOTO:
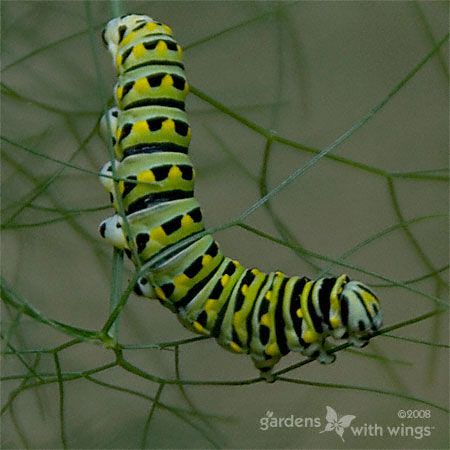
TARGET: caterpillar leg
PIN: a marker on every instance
(317, 351)
(323, 356)
(108, 124)
(112, 231)
(358, 341)
(143, 288)
(265, 366)
(108, 127)
(106, 175)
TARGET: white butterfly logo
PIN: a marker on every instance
(336, 424)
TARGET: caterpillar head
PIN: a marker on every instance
(360, 310)
(117, 28)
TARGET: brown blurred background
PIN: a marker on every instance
(307, 70)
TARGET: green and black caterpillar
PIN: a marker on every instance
(246, 310)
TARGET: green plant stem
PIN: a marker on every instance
(150, 415)
(116, 289)
(61, 400)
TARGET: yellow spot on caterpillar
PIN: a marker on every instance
(210, 305)
(167, 29)
(187, 221)
(179, 51)
(127, 39)
(119, 92)
(118, 133)
(121, 186)
(167, 81)
(146, 176)
(272, 349)
(206, 259)
(268, 295)
(160, 293)
(244, 289)
(181, 279)
(224, 280)
(235, 348)
(151, 26)
(140, 127)
(141, 85)
(161, 48)
(131, 35)
(168, 125)
(335, 322)
(199, 328)
(299, 313)
(158, 234)
(309, 336)
(139, 51)
(265, 320)
(174, 173)
(255, 271)
(118, 60)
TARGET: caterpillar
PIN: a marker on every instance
(265, 315)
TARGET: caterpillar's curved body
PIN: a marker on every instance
(246, 310)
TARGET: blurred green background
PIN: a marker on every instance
(306, 70)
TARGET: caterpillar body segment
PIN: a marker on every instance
(247, 311)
